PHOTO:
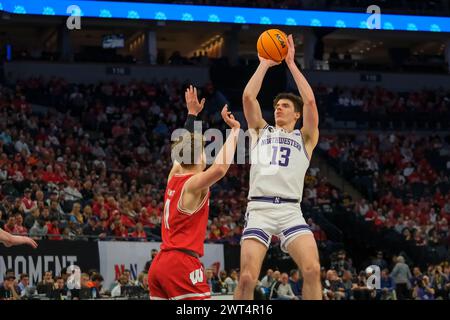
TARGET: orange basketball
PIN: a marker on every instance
(273, 44)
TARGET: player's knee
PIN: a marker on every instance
(247, 280)
(311, 271)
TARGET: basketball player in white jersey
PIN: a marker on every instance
(277, 179)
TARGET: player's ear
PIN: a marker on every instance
(297, 115)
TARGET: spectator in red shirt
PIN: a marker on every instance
(19, 228)
(139, 233)
(10, 225)
(114, 217)
(49, 176)
(370, 215)
(120, 231)
(319, 235)
(111, 204)
(99, 204)
(151, 207)
(155, 219)
(41, 136)
(144, 218)
(214, 233)
(398, 208)
(379, 219)
(439, 198)
(53, 230)
(15, 173)
(333, 152)
(414, 178)
(388, 199)
(224, 228)
(127, 220)
(21, 105)
(28, 204)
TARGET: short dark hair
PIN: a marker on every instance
(295, 99)
(97, 277)
(23, 275)
(294, 271)
(92, 272)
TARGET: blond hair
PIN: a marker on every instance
(188, 149)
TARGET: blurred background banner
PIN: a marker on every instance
(236, 15)
(115, 257)
(49, 256)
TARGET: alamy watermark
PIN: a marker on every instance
(74, 280)
(73, 22)
(373, 273)
(374, 21)
(271, 151)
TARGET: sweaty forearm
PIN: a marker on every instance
(303, 86)
(310, 112)
(226, 154)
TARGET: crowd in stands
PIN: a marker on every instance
(404, 177)
(60, 287)
(94, 164)
(381, 102)
(380, 108)
(394, 280)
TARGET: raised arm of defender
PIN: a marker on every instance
(310, 129)
(194, 108)
(224, 158)
(252, 109)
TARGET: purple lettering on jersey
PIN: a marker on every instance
(282, 140)
(285, 153)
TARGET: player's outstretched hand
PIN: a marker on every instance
(268, 62)
(194, 107)
(229, 118)
(290, 57)
(18, 240)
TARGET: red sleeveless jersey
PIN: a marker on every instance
(181, 229)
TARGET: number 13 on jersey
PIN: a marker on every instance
(284, 153)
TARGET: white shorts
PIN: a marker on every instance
(263, 220)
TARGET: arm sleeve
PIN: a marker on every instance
(189, 124)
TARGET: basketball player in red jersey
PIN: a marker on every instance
(176, 272)
(10, 240)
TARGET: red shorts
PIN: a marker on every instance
(176, 275)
